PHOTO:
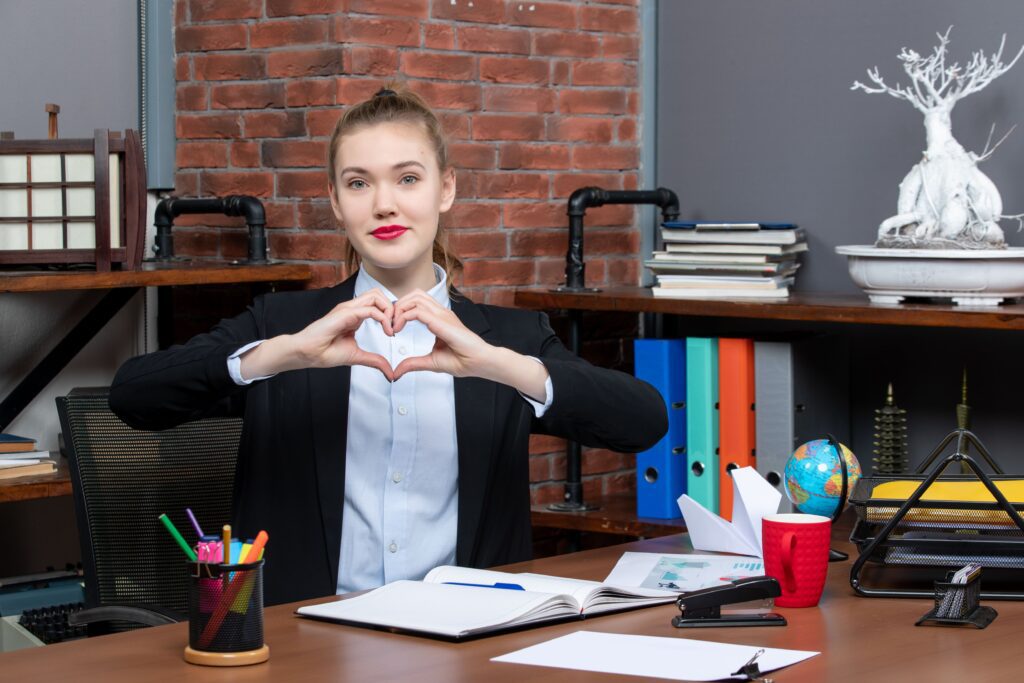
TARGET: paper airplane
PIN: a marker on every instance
(753, 498)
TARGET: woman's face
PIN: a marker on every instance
(388, 193)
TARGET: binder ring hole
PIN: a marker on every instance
(650, 475)
(730, 467)
(774, 478)
(697, 468)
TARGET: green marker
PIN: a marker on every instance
(177, 537)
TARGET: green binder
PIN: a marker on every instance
(702, 421)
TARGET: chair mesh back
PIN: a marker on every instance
(124, 479)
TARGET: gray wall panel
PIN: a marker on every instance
(756, 119)
(80, 54)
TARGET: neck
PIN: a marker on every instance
(401, 281)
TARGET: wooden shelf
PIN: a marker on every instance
(152, 275)
(833, 308)
(39, 486)
(616, 515)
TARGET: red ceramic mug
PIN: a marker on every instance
(796, 553)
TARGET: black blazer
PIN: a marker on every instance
(290, 478)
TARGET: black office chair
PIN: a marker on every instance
(123, 479)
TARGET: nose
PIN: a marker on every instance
(383, 202)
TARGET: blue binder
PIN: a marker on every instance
(661, 470)
(702, 421)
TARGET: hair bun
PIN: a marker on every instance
(385, 92)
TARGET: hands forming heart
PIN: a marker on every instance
(330, 341)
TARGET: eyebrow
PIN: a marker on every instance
(396, 167)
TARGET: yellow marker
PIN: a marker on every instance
(227, 544)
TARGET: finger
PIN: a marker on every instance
(418, 296)
(429, 318)
(376, 298)
(413, 364)
(364, 312)
(373, 360)
(436, 310)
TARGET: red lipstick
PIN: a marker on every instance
(389, 232)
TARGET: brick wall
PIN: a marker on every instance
(539, 98)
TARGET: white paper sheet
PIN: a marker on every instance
(753, 498)
(678, 659)
(681, 572)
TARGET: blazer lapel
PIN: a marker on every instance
(328, 394)
(474, 422)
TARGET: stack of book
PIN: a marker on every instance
(19, 457)
(727, 259)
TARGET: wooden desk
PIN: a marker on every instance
(861, 639)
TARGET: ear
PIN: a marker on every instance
(447, 189)
(334, 203)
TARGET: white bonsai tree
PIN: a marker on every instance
(945, 201)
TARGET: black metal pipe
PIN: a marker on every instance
(233, 205)
(587, 197)
(581, 200)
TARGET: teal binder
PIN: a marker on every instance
(702, 421)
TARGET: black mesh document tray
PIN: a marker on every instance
(912, 529)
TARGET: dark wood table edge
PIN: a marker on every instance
(811, 307)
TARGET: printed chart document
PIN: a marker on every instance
(459, 602)
(753, 498)
(683, 573)
(678, 659)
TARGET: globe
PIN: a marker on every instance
(814, 480)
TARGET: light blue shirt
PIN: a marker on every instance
(402, 470)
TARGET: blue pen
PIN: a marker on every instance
(506, 586)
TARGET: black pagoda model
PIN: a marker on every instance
(890, 438)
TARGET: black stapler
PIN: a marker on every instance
(703, 608)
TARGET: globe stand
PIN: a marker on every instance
(833, 554)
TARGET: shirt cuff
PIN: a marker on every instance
(235, 365)
(540, 408)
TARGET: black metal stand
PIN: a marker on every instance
(579, 202)
(833, 554)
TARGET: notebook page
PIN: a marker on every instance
(438, 608)
(538, 583)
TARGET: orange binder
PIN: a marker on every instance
(735, 414)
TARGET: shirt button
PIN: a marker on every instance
(401, 350)
(402, 410)
(396, 477)
(393, 547)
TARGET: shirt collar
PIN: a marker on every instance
(365, 282)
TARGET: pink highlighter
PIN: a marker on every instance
(208, 551)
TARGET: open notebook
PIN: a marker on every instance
(458, 602)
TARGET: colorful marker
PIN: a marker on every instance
(195, 524)
(227, 544)
(229, 596)
(177, 537)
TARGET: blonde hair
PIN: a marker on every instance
(396, 104)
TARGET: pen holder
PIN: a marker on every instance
(225, 614)
(957, 604)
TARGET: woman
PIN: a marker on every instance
(386, 419)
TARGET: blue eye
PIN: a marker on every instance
(356, 184)
(408, 179)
